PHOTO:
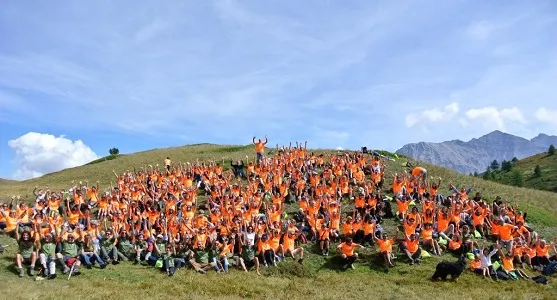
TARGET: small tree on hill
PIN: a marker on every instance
(494, 166)
(517, 179)
(476, 174)
(114, 151)
(537, 171)
(506, 165)
(514, 160)
(551, 150)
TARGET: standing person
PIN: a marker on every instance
(260, 148)
(167, 163)
(238, 169)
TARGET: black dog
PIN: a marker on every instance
(446, 268)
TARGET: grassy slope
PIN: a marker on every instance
(4, 182)
(319, 278)
(548, 179)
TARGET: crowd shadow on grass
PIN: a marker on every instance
(10, 267)
(370, 261)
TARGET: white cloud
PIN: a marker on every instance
(38, 153)
(491, 116)
(546, 116)
(433, 115)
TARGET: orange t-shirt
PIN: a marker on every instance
(412, 246)
(386, 245)
(505, 232)
(259, 147)
(346, 249)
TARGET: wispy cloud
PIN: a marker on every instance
(490, 116)
(223, 71)
(433, 115)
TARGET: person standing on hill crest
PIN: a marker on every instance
(259, 148)
(167, 164)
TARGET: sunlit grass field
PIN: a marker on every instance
(318, 278)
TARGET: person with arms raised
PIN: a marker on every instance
(259, 148)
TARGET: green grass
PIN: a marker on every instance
(319, 277)
(4, 182)
(547, 181)
(109, 157)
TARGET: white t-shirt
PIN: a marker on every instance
(250, 238)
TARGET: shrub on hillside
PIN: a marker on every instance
(506, 165)
(537, 171)
(494, 166)
(517, 179)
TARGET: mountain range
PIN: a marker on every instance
(476, 154)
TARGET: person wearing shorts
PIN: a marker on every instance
(26, 253)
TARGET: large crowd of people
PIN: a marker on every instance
(261, 212)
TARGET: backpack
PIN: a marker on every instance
(551, 268)
(70, 261)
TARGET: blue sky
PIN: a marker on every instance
(82, 77)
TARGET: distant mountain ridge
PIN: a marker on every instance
(476, 154)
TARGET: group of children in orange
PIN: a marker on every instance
(206, 216)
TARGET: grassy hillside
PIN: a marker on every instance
(319, 278)
(4, 182)
(523, 173)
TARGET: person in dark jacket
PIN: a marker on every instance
(238, 168)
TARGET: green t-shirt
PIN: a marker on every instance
(466, 237)
(26, 248)
(184, 253)
(201, 256)
(213, 253)
(88, 248)
(162, 247)
(170, 260)
(125, 246)
(141, 245)
(107, 243)
(248, 253)
(48, 249)
(69, 249)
